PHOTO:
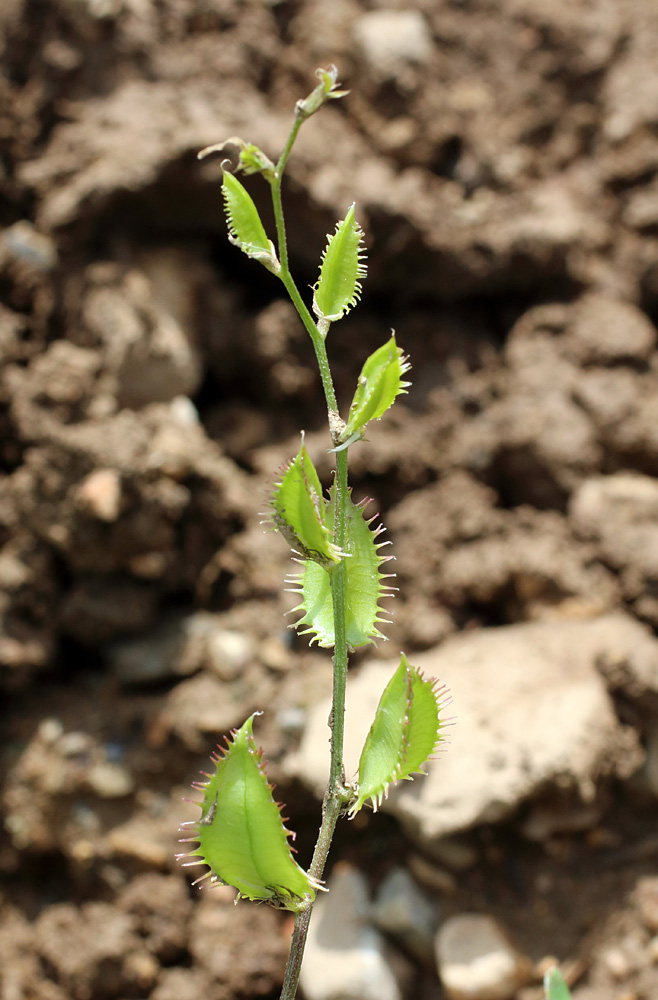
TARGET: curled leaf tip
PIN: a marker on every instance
(245, 228)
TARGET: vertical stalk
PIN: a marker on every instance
(336, 794)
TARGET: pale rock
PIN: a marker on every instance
(605, 331)
(110, 780)
(99, 495)
(345, 957)
(202, 707)
(476, 961)
(228, 652)
(390, 41)
(180, 647)
(619, 513)
(402, 910)
(531, 711)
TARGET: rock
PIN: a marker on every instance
(99, 495)
(510, 688)
(179, 647)
(393, 40)
(604, 331)
(620, 513)
(23, 244)
(183, 984)
(344, 957)
(110, 780)
(476, 961)
(407, 914)
(148, 837)
(201, 707)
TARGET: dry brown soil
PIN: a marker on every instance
(504, 160)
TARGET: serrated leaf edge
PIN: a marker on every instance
(347, 226)
(191, 829)
(443, 698)
(296, 582)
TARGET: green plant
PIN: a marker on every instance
(240, 835)
(555, 987)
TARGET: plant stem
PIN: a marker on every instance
(336, 794)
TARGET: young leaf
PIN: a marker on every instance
(555, 987)
(379, 383)
(363, 585)
(403, 736)
(339, 285)
(298, 512)
(244, 225)
(240, 833)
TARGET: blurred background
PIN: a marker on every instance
(504, 161)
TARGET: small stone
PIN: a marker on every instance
(456, 854)
(99, 495)
(402, 910)
(25, 245)
(50, 730)
(75, 744)
(344, 957)
(606, 331)
(141, 968)
(476, 961)
(110, 781)
(275, 655)
(435, 879)
(393, 40)
(228, 652)
(291, 720)
(616, 963)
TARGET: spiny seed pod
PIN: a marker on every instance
(246, 230)
(240, 833)
(298, 512)
(364, 584)
(343, 267)
(403, 736)
(380, 382)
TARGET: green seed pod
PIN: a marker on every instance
(298, 512)
(240, 833)
(403, 736)
(246, 230)
(364, 585)
(339, 285)
(380, 382)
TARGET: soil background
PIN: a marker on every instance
(504, 161)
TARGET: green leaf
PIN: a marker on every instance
(339, 285)
(364, 585)
(240, 833)
(555, 987)
(246, 230)
(403, 736)
(298, 512)
(380, 382)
